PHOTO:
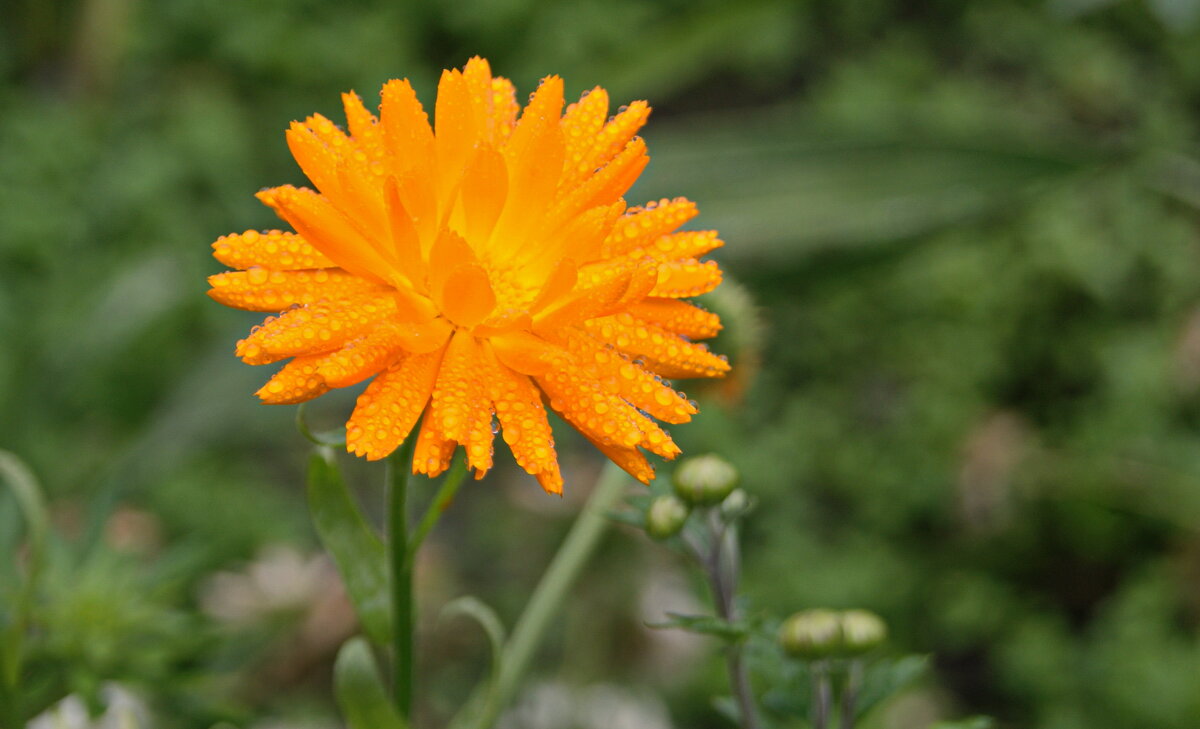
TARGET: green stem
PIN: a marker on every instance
(400, 572)
(822, 694)
(441, 502)
(547, 598)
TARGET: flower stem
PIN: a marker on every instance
(850, 694)
(400, 573)
(722, 567)
(822, 695)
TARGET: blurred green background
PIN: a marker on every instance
(971, 231)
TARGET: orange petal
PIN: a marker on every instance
(455, 133)
(390, 406)
(296, 382)
(654, 438)
(641, 226)
(360, 358)
(460, 392)
(603, 187)
(467, 297)
(504, 107)
(321, 327)
(681, 279)
(581, 123)
(524, 352)
(478, 75)
(523, 422)
(274, 249)
(259, 289)
(316, 159)
(682, 245)
(665, 353)
(327, 230)
(582, 304)
(433, 450)
(559, 284)
(677, 316)
(410, 144)
(484, 191)
(630, 460)
(617, 133)
(641, 388)
(406, 241)
(579, 239)
(364, 127)
(534, 156)
(593, 411)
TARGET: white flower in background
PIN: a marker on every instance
(124, 710)
(554, 705)
(280, 581)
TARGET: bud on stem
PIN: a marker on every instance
(705, 480)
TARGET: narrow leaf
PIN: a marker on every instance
(360, 692)
(488, 620)
(32, 505)
(357, 550)
(705, 625)
(28, 493)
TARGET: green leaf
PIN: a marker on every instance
(478, 611)
(705, 625)
(357, 550)
(329, 438)
(28, 494)
(360, 692)
(886, 678)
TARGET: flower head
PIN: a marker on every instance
(479, 269)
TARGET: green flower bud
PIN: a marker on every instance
(862, 630)
(705, 480)
(666, 516)
(811, 634)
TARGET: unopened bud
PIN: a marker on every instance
(666, 516)
(811, 634)
(705, 480)
(862, 630)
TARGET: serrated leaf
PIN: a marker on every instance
(360, 692)
(705, 625)
(356, 549)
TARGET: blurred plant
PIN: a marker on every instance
(71, 621)
(821, 665)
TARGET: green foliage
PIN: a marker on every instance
(353, 544)
(971, 227)
(360, 691)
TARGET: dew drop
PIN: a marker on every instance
(258, 275)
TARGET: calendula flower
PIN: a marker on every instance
(479, 269)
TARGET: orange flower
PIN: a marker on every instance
(477, 270)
